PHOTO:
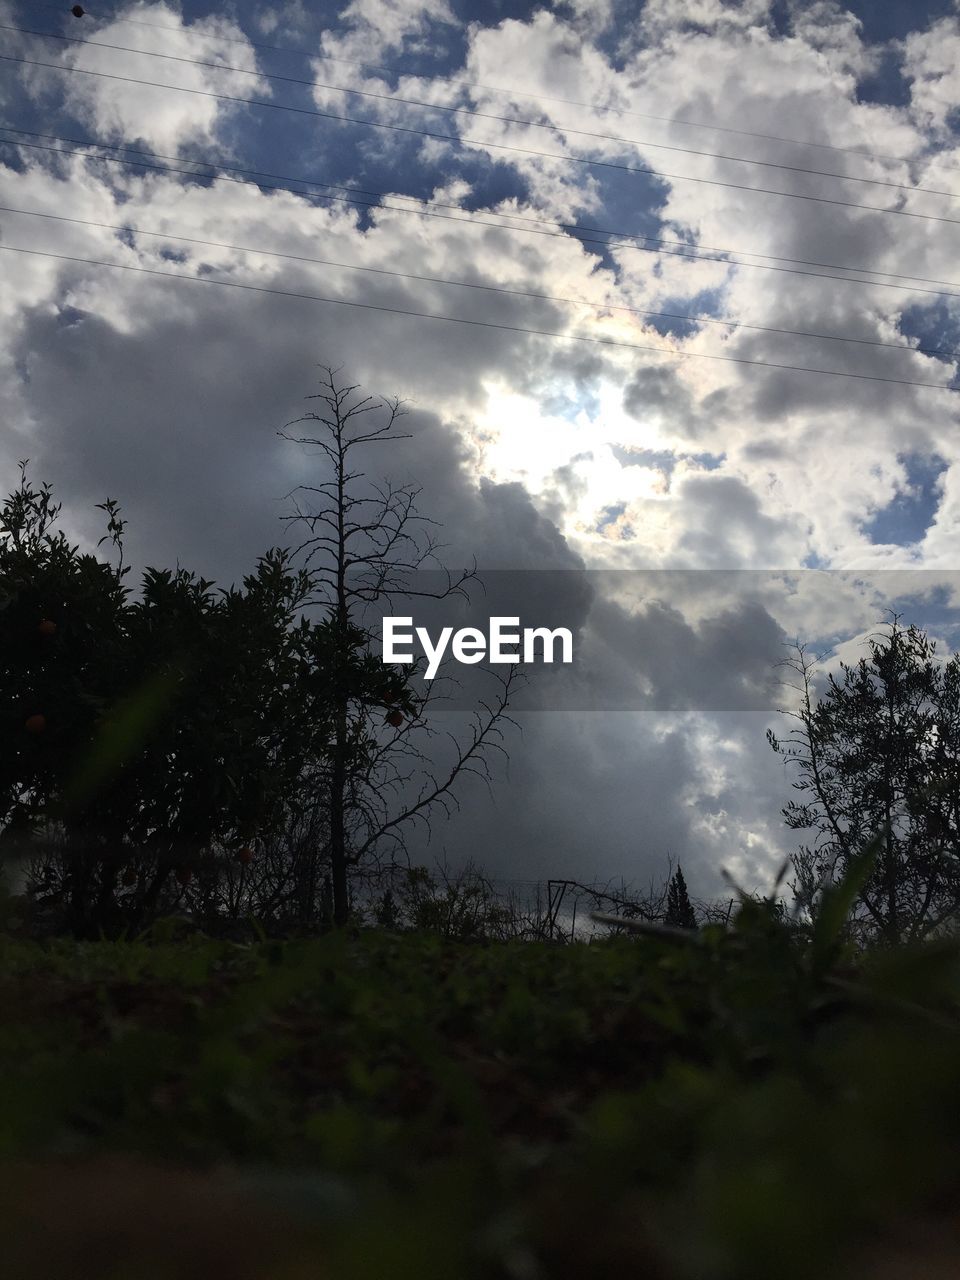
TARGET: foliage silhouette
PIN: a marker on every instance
(173, 722)
(878, 758)
(680, 911)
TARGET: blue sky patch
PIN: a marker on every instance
(707, 302)
(884, 20)
(936, 325)
(906, 519)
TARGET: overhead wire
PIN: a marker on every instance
(483, 324)
(514, 217)
(264, 180)
(508, 91)
(442, 281)
(129, 229)
(483, 115)
(478, 143)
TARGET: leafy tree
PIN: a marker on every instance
(141, 734)
(878, 756)
(366, 543)
(679, 911)
(53, 601)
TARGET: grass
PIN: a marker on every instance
(745, 1106)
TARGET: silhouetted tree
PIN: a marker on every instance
(878, 755)
(366, 543)
(141, 734)
(679, 911)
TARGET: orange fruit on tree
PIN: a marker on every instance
(245, 855)
(395, 718)
(35, 724)
(47, 627)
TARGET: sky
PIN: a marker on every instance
(735, 227)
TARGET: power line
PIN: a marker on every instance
(470, 218)
(487, 288)
(482, 324)
(482, 115)
(514, 217)
(467, 142)
(515, 93)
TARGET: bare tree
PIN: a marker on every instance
(366, 544)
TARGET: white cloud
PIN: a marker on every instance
(932, 64)
(167, 121)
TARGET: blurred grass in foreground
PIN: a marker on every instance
(750, 1105)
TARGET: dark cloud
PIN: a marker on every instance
(654, 657)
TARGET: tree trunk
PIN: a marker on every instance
(338, 838)
(338, 850)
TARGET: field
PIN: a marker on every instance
(747, 1104)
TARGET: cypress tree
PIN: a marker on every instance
(679, 909)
